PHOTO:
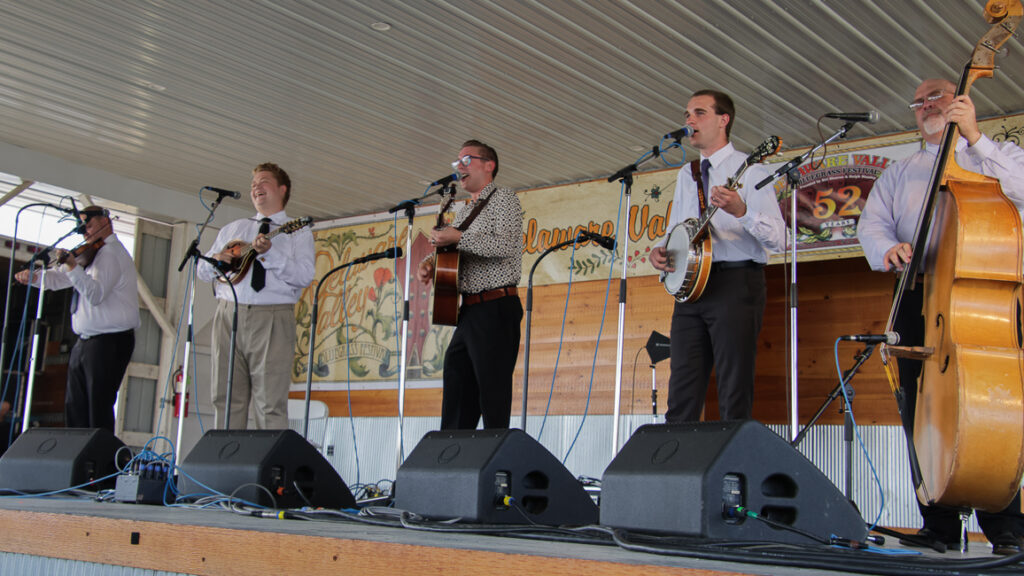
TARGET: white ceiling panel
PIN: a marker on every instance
(186, 93)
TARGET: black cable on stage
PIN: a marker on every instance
(827, 559)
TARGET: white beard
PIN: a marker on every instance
(933, 124)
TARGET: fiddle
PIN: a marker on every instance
(83, 253)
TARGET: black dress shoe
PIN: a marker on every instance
(1006, 544)
(933, 539)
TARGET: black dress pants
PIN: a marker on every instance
(719, 331)
(479, 363)
(95, 369)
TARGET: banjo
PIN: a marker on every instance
(688, 247)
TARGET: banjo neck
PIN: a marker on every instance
(768, 147)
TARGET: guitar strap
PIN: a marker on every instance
(695, 170)
(476, 212)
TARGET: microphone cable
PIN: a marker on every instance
(348, 367)
(600, 329)
(561, 337)
(662, 149)
(856, 429)
(398, 322)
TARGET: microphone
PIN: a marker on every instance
(222, 192)
(870, 117)
(605, 241)
(678, 135)
(79, 222)
(395, 252)
(453, 177)
(890, 338)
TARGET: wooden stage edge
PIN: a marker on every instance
(210, 542)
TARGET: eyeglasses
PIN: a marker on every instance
(465, 160)
(933, 97)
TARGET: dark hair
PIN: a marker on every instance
(94, 211)
(280, 175)
(485, 152)
(723, 105)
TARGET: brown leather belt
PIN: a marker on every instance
(487, 295)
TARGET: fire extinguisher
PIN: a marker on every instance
(178, 388)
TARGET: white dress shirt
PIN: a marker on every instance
(748, 237)
(897, 198)
(108, 300)
(289, 262)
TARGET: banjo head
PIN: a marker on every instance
(685, 256)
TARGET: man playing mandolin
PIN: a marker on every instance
(104, 314)
(482, 355)
(887, 231)
(720, 329)
(267, 293)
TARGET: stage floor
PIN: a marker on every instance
(218, 542)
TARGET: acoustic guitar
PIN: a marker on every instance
(446, 276)
(243, 254)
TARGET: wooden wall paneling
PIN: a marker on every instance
(836, 297)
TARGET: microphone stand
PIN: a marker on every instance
(409, 207)
(33, 354)
(390, 253)
(193, 255)
(789, 169)
(10, 282)
(844, 383)
(529, 315)
(626, 176)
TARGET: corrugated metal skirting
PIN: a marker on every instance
(25, 565)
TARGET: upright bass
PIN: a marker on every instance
(969, 425)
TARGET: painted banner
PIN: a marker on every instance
(359, 308)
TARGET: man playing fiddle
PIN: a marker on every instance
(886, 232)
(104, 315)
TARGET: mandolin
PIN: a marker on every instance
(243, 254)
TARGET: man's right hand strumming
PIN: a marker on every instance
(659, 259)
(425, 272)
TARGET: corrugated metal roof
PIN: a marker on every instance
(190, 93)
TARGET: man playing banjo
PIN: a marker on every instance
(720, 327)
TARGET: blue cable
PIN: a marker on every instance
(348, 368)
(600, 329)
(856, 429)
(674, 144)
(17, 354)
(561, 336)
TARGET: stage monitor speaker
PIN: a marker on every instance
(686, 479)
(234, 462)
(47, 459)
(468, 473)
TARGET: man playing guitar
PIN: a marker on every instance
(482, 355)
(720, 329)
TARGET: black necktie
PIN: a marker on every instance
(259, 274)
(705, 169)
